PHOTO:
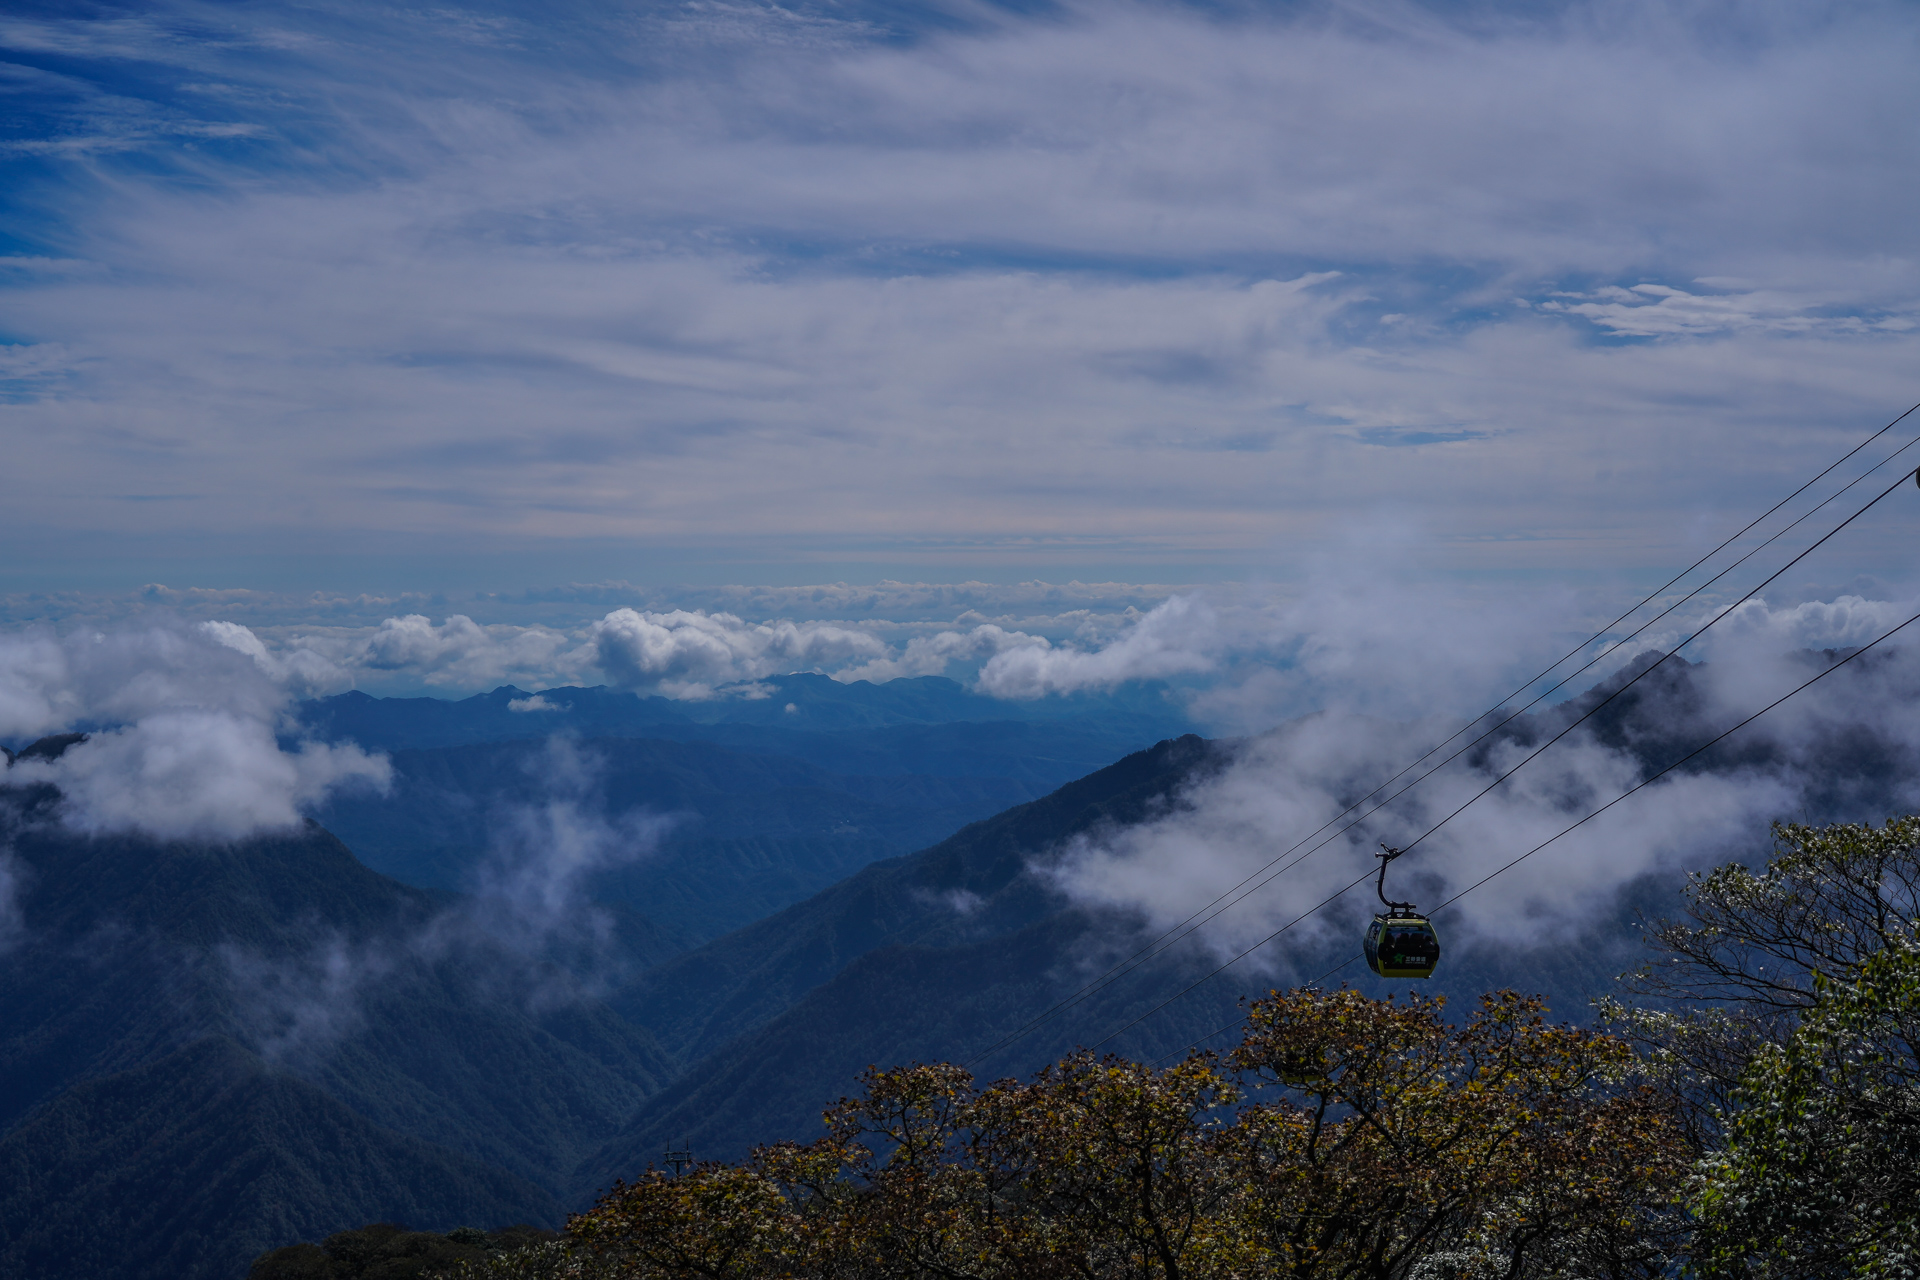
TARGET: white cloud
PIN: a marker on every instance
(686, 653)
(182, 724)
(50, 681)
(206, 775)
(300, 671)
(936, 654)
(459, 652)
(1661, 311)
(1847, 622)
(1180, 637)
(32, 693)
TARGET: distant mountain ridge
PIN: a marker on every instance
(276, 1020)
(788, 714)
(771, 804)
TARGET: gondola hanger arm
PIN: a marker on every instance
(1380, 888)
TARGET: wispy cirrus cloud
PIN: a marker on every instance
(731, 288)
(1661, 311)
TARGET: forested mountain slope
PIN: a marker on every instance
(293, 1029)
(939, 956)
(196, 1162)
(974, 883)
(746, 834)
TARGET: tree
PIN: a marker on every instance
(388, 1251)
(1099, 1167)
(1735, 974)
(1398, 1145)
(1820, 1173)
(1401, 1144)
(1780, 1016)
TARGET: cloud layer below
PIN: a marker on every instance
(1301, 801)
(182, 723)
(187, 717)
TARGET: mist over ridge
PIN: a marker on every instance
(198, 728)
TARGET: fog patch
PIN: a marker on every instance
(961, 902)
(182, 724)
(297, 1006)
(1847, 748)
(536, 703)
(531, 894)
(527, 932)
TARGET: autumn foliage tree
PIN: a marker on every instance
(1506, 1147)
(1345, 1137)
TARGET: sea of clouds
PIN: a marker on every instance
(191, 720)
(1329, 691)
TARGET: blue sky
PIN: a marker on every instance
(486, 298)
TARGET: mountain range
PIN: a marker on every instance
(210, 1050)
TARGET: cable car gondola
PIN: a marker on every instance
(1400, 943)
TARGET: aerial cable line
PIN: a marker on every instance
(1100, 984)
(1911, 475)
(1219, 904)
(1661, 660)
(1502, 870)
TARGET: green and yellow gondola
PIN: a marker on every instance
(1400, 942)
(1400, 945)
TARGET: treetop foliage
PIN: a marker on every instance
(1345, 1137)
(1754, 1112)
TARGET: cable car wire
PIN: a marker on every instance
(1657, 663)
(1208, 912)
(1218, 906)
(1502, 870)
